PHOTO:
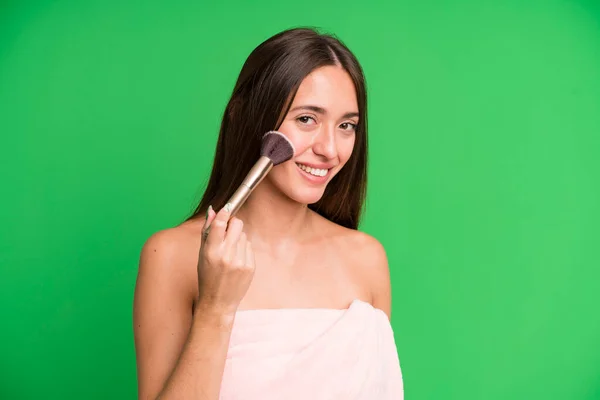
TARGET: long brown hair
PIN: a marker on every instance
(259, 103)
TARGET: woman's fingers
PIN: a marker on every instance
(218, 227)
(232, 236)
(210, 216)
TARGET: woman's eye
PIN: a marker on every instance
(305, 119)
(348, 126)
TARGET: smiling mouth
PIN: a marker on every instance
(317, 172)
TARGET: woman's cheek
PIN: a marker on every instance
(347, 149)
(302, 141)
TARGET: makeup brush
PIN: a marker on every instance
(275, 149)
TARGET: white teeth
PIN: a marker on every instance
(312, 171)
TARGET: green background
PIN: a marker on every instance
(484, 180)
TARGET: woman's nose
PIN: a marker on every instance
(324, 143)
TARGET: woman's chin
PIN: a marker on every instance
(308, 196)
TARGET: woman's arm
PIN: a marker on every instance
(179, 355)
(382, 291)
(373, 261)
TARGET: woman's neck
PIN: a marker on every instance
(270, 216)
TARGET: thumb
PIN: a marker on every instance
(210, 216)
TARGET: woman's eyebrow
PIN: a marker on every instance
(317, 109)
(321, 110)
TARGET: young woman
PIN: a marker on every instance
(286, 299)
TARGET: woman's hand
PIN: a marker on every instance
(225, 264)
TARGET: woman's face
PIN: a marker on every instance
(321, 124)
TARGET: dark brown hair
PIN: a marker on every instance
(261, 98)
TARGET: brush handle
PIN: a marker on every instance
(258, 172)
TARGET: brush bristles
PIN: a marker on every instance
(277, 147)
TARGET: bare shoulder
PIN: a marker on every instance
(367, 249)
(170, 242)
(368, 258)
(165, 290)
(170, 256)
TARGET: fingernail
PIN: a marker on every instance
(228, 207)
(208, 211)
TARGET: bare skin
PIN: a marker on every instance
(275, 253)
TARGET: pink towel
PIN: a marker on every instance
(312, 354)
